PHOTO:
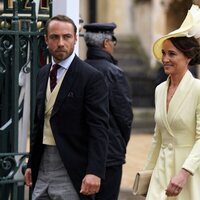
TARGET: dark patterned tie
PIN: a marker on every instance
(53, 76)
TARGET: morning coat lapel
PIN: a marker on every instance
(179, 96)
(67, 83)
(42, 86)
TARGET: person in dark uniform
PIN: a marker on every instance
(100, 41)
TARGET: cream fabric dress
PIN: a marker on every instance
(176, 140)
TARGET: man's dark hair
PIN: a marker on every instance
(61, 18)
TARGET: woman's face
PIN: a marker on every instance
(174, 61)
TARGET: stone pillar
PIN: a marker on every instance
(119, 12)
(158, 27)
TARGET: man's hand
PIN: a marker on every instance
(90, 184)
(28, 177)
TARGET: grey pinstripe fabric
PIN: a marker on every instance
(53, 181)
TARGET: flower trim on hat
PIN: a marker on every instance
(195, 29)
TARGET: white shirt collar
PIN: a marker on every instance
(67, 62)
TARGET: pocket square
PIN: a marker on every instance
(70, 94)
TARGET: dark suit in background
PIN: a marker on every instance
(100, 42)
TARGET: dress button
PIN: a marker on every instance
(170, 146)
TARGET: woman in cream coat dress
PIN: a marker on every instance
(174, 154)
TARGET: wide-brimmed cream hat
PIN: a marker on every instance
(190, 27)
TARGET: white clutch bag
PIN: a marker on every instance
(141, 182)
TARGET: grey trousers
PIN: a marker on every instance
(53, 182)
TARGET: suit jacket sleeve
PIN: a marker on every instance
(97, 115)
(192, 162)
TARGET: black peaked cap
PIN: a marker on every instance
(107, 28)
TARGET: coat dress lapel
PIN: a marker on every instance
(41, 88)
(179, 96)
(176, 101)
(163, 111)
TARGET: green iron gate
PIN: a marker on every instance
(22, 52)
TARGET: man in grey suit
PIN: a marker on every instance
(70, 138)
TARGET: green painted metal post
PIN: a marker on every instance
(21, 49)
(34, 64)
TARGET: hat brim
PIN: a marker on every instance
(181, 32)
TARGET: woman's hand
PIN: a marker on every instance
(177, 182)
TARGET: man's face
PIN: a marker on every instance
(60, 39)
(109, 45)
